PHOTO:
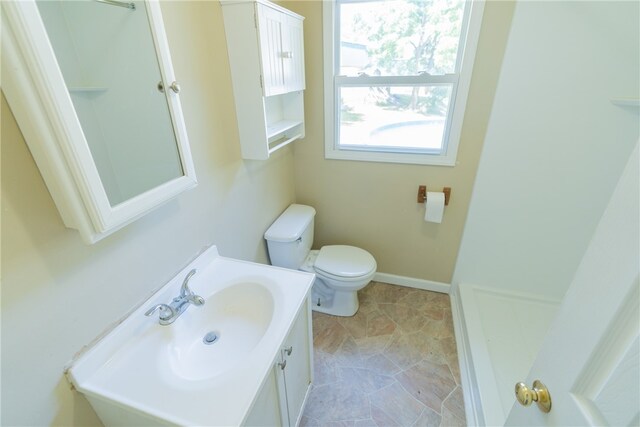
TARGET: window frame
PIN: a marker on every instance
(460, 81)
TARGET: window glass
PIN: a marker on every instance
(402, 117)
(399, 37)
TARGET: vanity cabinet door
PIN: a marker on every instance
(266, 409)
(295, 368)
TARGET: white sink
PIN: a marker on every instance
(237, 316)
(142, 372)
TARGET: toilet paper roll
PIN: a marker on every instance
(434, 207)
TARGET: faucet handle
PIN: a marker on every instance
(166, 311)
(184, 289)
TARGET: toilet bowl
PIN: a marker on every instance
(341, 270)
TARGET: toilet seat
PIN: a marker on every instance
(344, 263)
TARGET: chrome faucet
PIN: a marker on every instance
(188, 294)
(170, 312)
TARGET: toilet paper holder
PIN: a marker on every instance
(422, 194)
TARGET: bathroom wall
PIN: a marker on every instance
(373, 205)
(59, 294)
(555, 146)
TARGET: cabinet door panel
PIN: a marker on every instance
(266, 410)
(270, 28)
(293, 54)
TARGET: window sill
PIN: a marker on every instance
(382, 157)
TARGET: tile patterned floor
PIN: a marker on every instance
(392, 364)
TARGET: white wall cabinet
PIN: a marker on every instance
(266, 53)
(109, 144)
(285, 390)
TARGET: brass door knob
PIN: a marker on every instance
(538, 393)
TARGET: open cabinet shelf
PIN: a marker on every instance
(281, 127)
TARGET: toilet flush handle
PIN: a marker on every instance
(299, 240)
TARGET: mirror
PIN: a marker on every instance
(92, 87)
(107, 57)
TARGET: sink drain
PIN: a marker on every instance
(210, 338)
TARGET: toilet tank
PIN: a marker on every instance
(290, 237)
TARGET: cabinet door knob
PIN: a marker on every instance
(174, 87)
(287, 55)
(288, 350)
(282, 364)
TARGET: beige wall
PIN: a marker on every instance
(373, 205)
(59, 294)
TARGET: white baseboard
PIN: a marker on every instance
(411, 282)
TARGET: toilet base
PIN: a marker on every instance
(336, 303)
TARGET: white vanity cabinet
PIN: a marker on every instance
(285, 390)
(266, 55)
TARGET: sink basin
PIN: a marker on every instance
(207, 367)
(237, 318)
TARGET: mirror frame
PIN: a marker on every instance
(36, 91)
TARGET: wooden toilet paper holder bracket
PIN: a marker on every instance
(422, 194)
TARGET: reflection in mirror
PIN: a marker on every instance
(108, 60)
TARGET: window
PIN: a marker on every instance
(397, 73)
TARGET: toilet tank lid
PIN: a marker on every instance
(290, 224)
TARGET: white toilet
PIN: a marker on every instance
(340, 270)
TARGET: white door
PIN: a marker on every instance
(589, 360)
